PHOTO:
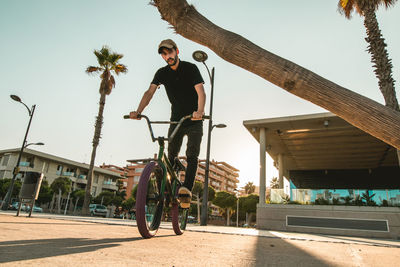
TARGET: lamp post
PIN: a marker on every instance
(237, 207)
(201, 56)
(16, 169)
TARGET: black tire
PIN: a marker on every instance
(149, 203)
(179, 218)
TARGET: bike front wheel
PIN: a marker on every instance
(149, 200)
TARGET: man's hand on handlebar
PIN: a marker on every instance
(197, 115)
(134, 115)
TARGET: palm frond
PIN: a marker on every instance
(120, 68)
(93, 69)
(101, 59)
(113, 58)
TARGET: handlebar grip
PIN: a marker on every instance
(126, 117)
(206, 117)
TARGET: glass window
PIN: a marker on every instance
(94, 189)
(6, 158)
(2, 174)
(96, 178)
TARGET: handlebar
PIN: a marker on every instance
(179, 123)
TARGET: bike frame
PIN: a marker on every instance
(170, 180)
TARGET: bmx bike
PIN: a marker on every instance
(158, 187)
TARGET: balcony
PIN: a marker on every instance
(81, 180)
(110, 185)
(68, 174)
(25, 164)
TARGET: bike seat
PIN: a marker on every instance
(178, 166)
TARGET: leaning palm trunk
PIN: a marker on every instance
(362, 112)
(96, 140)
(381, 61)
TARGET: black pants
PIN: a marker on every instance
(194, 134)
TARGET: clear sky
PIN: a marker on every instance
(46, 45)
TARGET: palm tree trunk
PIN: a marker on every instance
(380, 60)
(362, 112)
(96, 140)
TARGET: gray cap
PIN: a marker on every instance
(168, 43)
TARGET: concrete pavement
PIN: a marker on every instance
(227, 230)
(56, 240)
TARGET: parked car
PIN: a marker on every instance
(14, 206)
(98, 210)
(35, 209)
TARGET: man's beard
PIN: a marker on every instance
(174, 61)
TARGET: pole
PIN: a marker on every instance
(204, 210)
(16, 169)
(237, 213)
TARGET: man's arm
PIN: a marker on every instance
(147, 96)
(197, 115)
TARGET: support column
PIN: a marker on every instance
(262, 165)
(280, 166)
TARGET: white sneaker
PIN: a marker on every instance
(184, 196)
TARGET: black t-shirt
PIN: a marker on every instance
(179, 85)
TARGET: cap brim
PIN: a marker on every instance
(164, 46)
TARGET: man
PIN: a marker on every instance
(184, 86)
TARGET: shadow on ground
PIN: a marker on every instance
(12, 251)
(278, 252)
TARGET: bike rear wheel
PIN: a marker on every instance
(149, 201)
(179, 218)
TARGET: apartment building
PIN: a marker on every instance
(54, 167)
(131, 173)
(221, 176)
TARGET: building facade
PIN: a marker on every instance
(53, 167)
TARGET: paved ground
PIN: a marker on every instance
(49, 240)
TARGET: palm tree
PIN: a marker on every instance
(60, 185)
(376, 45)
(362, 112)
(108, 64)
(275, 183)
(249, 188)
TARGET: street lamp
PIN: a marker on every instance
(201, 56)
(34, 144)
(16, 169)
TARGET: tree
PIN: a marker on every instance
(226, 201)
(197, 192)
(197, 195)
(248, 206)
(362, 112)
(45, 193)
(108, 64)
(275, 183)
(78, 196)
(128, 204)
(5, 184)
(368, 198)
(376, 45)
(109, 198)
(61, 185)
(249, 188)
